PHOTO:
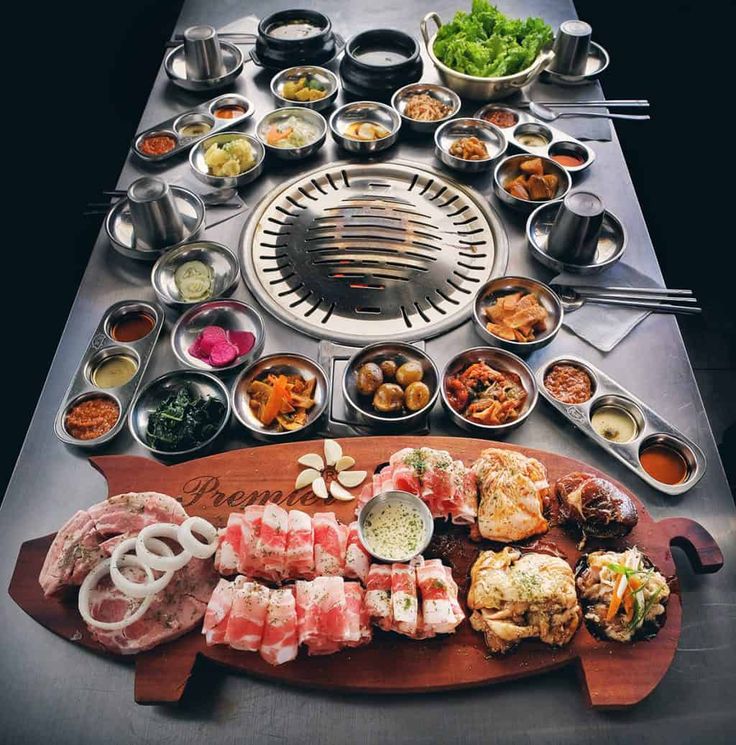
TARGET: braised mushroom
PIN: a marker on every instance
(416, 395)
(369, 378)
(389, 398)
(388, 368)
(409, 372)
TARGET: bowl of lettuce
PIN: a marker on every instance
(484, 54)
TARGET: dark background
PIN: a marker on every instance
(101, 59)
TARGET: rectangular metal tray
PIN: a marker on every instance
(202, 112)
(557, 138)
(652, 425)
(100, 343)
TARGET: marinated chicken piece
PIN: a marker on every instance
(539, 189)
(552, 181)
(519, 191)
(515, 597)
(513, 494)
(622, 593)
(532, 166)
(533, 183)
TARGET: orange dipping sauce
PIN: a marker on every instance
(229, 112)
(568, 161)
(664, 464)
(92, 418)
(132, 326)
(157, 145)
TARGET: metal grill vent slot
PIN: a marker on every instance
(362, 253)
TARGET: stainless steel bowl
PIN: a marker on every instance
(396, 497)
(360, 406)
(444, 95)
(508, 169)
(293, 153)
(175, 68)
(502, 286)
(499, 359)
(285, 364)
(201, 170)
(222, 262)
(472, 86)
(326, 77)
(151, 396)
(232, 315)
(489, 134)
(362, 111)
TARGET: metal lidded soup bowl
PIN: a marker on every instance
(478, 88)
(145, 403)
(455, 129)
(448, 97)
(322, 75)
(508, 169)
(365, 111)
(201, 170)
(499, 359)
(500, 286)
(281, 363)
(360, 406)
(394, 497)
(222, 262)
(309, 116)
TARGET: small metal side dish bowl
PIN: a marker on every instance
(478, 88)
(396, 497)
(360, 405)
(365, 111)
(202, 383)
(232, 315)
(202, 172)
(508, 169)
(281, 363)
(325, 77)
(489, 134)
(499, 359)
(500, 286)
(293, 153)
(401, 97)
(222, 262)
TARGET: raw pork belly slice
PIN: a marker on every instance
(251, 560)
(272, 543)
(378, 596)
(456, 609)
(307, 613)
(437, 611)
(404, 602)
(330, 544)
(280, 643)
(357, 559)
(247, 617)
(359, 622)
(218, 613)
(227, 556)
(332, 607)
(299, 546)
(131, 512)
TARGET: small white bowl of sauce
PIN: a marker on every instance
(395, 526)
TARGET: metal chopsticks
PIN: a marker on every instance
(621, 103)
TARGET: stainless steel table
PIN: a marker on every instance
(53, 691)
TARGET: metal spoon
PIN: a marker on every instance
(572, 300)
(547, 115)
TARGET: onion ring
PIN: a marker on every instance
(156, 561)
(138, 589)
(190, 543)
(91, 581)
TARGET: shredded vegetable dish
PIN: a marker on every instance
(282, 402)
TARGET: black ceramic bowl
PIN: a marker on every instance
(379, 61)
(283, 41)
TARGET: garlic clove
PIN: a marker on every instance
(306, 477)
(337, 491)
(351, 479)
(333, 452)
(312, 460)
(319, 488)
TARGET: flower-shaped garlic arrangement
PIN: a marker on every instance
(334, 465)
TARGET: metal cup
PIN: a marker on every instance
(155, 217)
(202, 53)
(573, 237)
(571, 48)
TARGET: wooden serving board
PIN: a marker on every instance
(614, 675)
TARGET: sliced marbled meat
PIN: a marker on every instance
(131, 512)
(279, 643)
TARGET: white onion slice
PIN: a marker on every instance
(190, 543)
(91, 581)
(156, 561)
(138, 589)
